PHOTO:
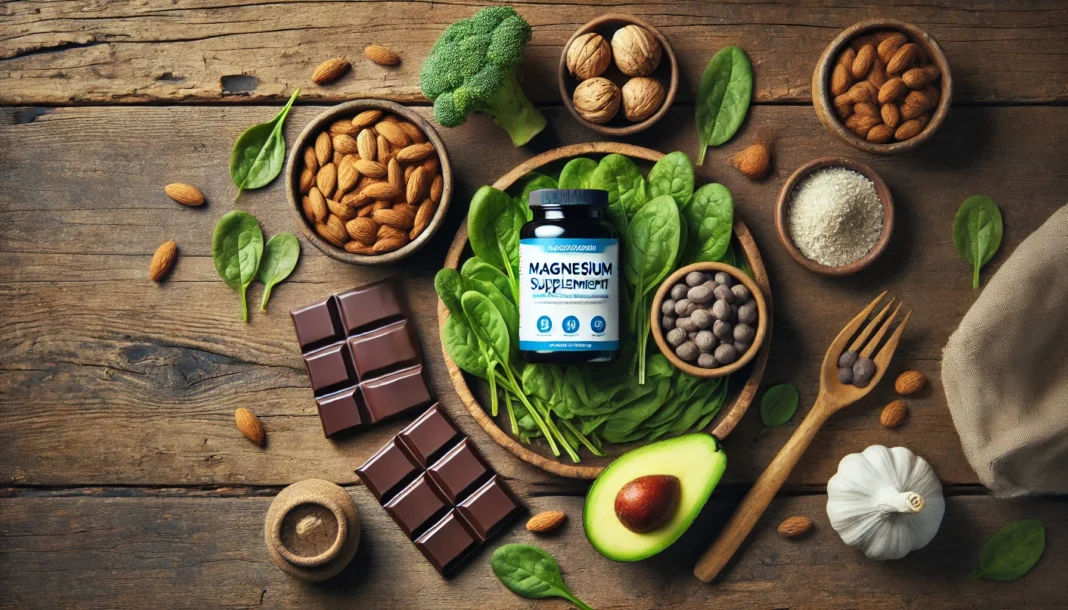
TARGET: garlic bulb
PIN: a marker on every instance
(885, 502)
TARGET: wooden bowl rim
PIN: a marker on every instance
(320, 123)
(727, 419)
(563, 77)
(762, 320)
(885, 196)
(821, 95)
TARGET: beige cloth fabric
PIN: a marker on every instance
(1005, 369)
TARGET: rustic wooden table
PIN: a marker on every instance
(124, 481)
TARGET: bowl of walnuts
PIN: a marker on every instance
(618, 75)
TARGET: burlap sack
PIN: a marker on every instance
(1005, 369)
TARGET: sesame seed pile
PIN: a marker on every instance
(835, 216)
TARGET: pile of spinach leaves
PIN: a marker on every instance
(663, 224)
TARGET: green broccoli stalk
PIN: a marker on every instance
(472, 68)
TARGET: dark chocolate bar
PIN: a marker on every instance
(439, 489)
(362, 357)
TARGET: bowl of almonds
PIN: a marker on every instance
(370, 182)
(883, 86)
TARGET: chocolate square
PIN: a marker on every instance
(395, 393)
(489, 508)
(329, 368)
(384, 350)
(418, 506)
(447, 543)
(460, 471)
(317, 324)
(339, 412)
(388, 470)
(430, 435)
(367, 306)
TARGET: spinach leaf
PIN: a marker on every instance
(530, 572)
(673, 175)
(578, 173)
(259, 153)
(450, 287)
(1013, 551)
(508, 310)
(477, 269)
(977, 232)
(625, 421)
(650, 244)
(463, 347)
(627, 190)
(532, 182)
(236, 247)
(493, 224)
(711, 221)
(280, 256)
(722, 98)
(778, 404)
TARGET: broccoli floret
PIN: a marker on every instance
(471, 67)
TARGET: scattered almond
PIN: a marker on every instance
(793, 527)
(329, 71)
(545, 522)
(910, 382)
(894, 414)
(184, 194)
(163, 260)
(249, 425)
(381, 55)
(753, 161)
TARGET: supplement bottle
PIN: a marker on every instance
(569, 276)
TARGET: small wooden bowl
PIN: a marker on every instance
(784, 201)
(667, 73)
(349, 110)
(823, 101)
(762, 320)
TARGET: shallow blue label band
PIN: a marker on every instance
(568, 346)
(579, 245)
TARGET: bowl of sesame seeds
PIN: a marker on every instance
(835, 216)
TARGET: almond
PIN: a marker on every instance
(891, 90)
(384, 151)
(381, 55)
(862, 124)
(342, 211)
(388, 232)
(430, 166)
(363, 230)
(345, 144)
(902, 59)
(846, 58)
(365, 143)
(371, 169)
(416, 188)
(392, 133)
(395, 218)
(324, 150)
(163, 260)
(414, 133)
(752, 161)
(909, 129)
(859, 93)
(547, 521)
(843, 106)
(356, 247)
(864, 61)
(880, 134)
(306, 207)
(878, 77)
(793, 527)
(891, 115)
(395, 175)
(342, 126)
(330, 70)
(408, 172)
(318, 204)
(914, 78)
(894, 413)
(337, 158)
(249, 426)
(909, 382)
(865, 109)
(365, 211)
(915, 104)
(326, 179)
(415, 153)
(310, 160)
(331, 234)
(890, 45)
(388, 245)
(184, 194)
(347, 175)
(356, 198)
(307, 181)
(423, 216)
(435, 189)
(381, 191)
(381, 205)
(840, 80)
(934, 94)
(366, 118)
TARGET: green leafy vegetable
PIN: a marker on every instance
(627, 190)
(280, 256)
(722, 98)
(578, 173)
(236, 248)
(778, 404)
(977, 232)
(1013, 551)
(493, 223)
(711, 220)
(259, 153)
(673, 175)
(530, 572)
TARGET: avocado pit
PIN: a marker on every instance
(648, 502)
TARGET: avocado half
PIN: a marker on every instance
(698, 462)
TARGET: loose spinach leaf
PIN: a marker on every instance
(977, 232)
(280, 256)
(493, 223)
(259, 153)
(779, 404)
(627, 190)
(651, 243)
(578, 173)
(711, 221)
(673, 175)
(722, 98)
(1013, 551)
(530, 572)
(236, 248)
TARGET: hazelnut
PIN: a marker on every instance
(723, 293)
(667, 322)
(687, 351)
(597, 100)
(678, 292)
(636, 50)
(668, 308)
(700, 295)
(747, 313)
(676, 337)
(588, 56)
(701, 318)
(695, 278)
(707, 361)
(705, 341)
(642, 97)
(725, 354)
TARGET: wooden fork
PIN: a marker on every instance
(833, 396)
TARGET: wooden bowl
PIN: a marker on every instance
(667, 73)
(349, 110)
(538, 454)
(762, 320)
(823, 101)
(784, 201)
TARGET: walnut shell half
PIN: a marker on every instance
(588, 56)
(597, 99)
(636, 50)
(642, 97)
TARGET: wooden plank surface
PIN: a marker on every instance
(129, 51)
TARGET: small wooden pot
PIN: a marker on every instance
(290, 541)
(762, 320)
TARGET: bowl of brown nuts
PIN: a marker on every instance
(370, 182)
(709, 319)
(618, 75)
(883, 86)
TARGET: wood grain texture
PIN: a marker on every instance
(133, 51)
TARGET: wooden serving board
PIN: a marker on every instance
(537, 453)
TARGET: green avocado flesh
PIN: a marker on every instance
(698, 462)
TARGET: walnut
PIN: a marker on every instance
(642, 97)
(588, 56)
(636, 50)
(597, 99)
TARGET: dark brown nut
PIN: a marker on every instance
(687, 351)
(743, 333)
(707, 361)
(726, 354)
(678, 291)
(863, 371)
(747, 313)
(686, 324)
(668, 308)
(724, 293)
(723, 330)
(724, 278)
(721, 310)
(742, 292)
(847, 359)
(705, 341)
(845, 374)
(734, 313)
(667, 322)
(699, 294)
(701, 318)
(684, 307)
(695, 278)
(676, 337)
